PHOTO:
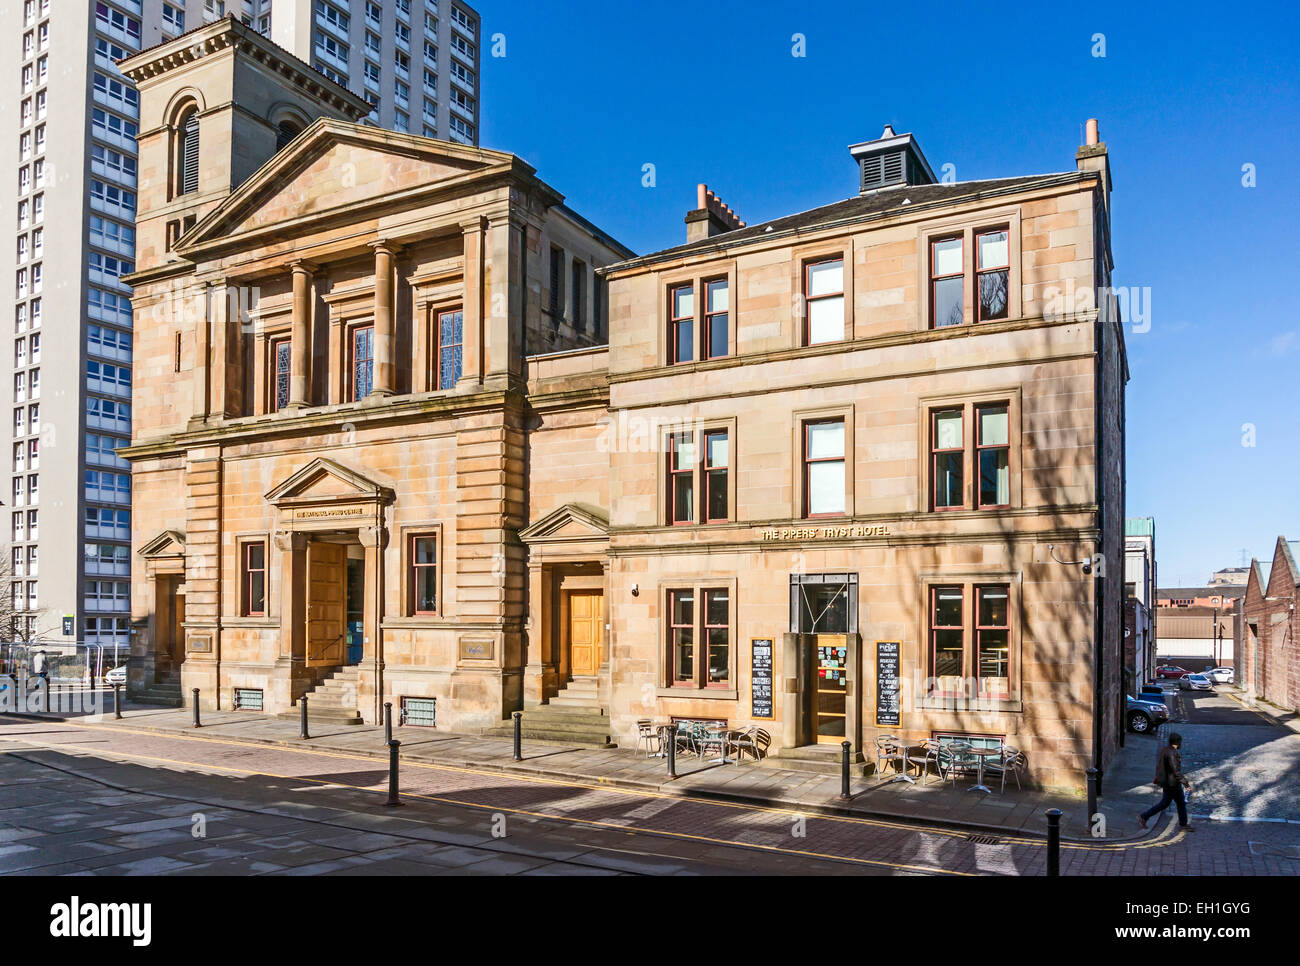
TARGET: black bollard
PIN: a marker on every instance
(671, 737)
(1054, 841)
(388, 721)
(196, 709)
(1093, 784)
(117, 701)
(392, 773)
(302, 717)
(844, 770)
(519, 735)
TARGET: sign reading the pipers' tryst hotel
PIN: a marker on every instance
(825, 533)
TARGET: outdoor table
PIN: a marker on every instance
(982, 753)
(720, 736)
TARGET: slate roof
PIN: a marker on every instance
(877, 204)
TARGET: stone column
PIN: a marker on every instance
(202, 362)
(292, 678)
(385, 380)
(301, 361)
(374, 539)
(472, 308)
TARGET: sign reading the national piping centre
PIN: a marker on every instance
(888, 702)
(761, 677)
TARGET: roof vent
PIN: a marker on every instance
(891, 160)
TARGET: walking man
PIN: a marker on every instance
(40, 665)
(1169, 776)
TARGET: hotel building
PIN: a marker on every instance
(853, 472)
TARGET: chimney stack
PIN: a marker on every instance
(1092, 156)
(710, 216)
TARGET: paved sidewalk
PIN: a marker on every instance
(1019, 812)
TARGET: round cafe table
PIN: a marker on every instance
(982, 753)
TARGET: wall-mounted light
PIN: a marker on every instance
(636, 590)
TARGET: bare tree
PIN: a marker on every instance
(16, 621)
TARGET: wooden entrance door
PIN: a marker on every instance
(326, 610)
(586, 623)
(176, 646)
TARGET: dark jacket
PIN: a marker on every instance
(1169, 768)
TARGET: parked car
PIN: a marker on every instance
(1171, 671)
(1222, 675)
(1196, 682)
(115, 676)
(1144, 716)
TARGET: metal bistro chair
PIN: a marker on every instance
(890, 748)
(1011, 762)
(954, 757)
(755, 741)
(647, 735)
(924, 755)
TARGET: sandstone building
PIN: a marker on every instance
(851, 472)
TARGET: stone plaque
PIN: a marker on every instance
(476, 648)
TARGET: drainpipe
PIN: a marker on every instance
(1098, 584)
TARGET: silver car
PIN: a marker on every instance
(1222, 675)
(1196, 682)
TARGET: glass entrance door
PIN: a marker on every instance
(831, 688)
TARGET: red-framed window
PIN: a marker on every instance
(717, 638)
(254, 579)
(281, 372)
(993, 639)
(993, 456)
(824, 480)
(992, 273)
(681, 478)
(717, 463)
(947, 638)
(451, 337)
(681, 637)
(947, 459)
(423, 574)
(947, 283)
(681, 323)
(823, 288)
(717, 318)
(361, 356)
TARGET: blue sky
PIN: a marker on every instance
(590, 92)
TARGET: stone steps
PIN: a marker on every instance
(579, 694)
(817, 759)
(164, 692)
(333, 701)
(578, 726)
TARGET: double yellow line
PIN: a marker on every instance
(1164, 839)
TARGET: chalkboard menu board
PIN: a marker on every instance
(888, 703)
(761, 677)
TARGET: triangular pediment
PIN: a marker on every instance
(325, 481)
(573, 521)
(337, 166)
(169, 543)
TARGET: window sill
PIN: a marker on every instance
(700, 694)
(967, 705)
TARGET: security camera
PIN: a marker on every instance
(635, 590)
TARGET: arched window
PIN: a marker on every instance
(286, 132)
(188, 160)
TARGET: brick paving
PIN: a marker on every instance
(462, 802)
